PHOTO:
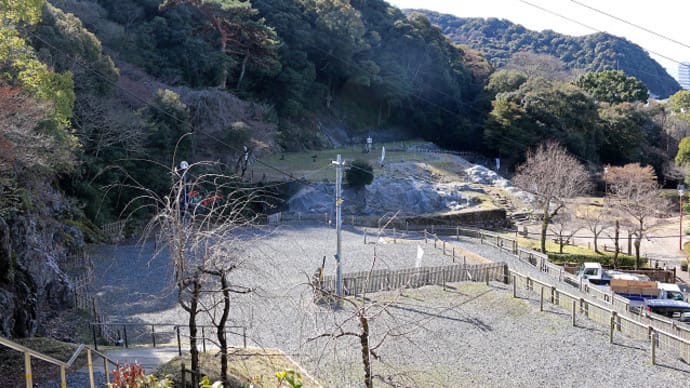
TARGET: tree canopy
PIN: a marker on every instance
(500, 39)
(612, 87)
(359, 174)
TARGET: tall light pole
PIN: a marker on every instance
(338, 202)
(184, 166)
(681, 191)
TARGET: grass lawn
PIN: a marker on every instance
(316, 165)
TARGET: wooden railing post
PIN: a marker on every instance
(105, 370)
(612, 327)
(541, 300)
(90, 366)
(179, 343)
(574, 309)
(652, 339)
(63, 377)
(27, 370)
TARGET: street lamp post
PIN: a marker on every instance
(183, 166)
(338, 221)
(681, 191)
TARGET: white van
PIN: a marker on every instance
(671, 291)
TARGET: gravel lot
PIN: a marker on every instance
(467, 335)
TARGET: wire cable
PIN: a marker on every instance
(595, 29)
(645, 29)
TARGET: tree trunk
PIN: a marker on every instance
(222, 340)
(243, 71)
(638, 242)
(193, 310)
(364, 342)
(544, 226)
(616, 235)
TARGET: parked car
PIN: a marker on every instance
(666, 307)
(684, 317)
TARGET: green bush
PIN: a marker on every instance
(360, 174)
(605, 260)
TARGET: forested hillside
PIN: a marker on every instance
(100, 99)
(269, 75)
(499, 39)
(103, 98)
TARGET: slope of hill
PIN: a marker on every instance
(498, 39)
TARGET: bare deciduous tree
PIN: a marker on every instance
(103, 123)
(564, 229)
(593, 219)
(22, 146)
(551, 175)
(634, 192)
(197, 225)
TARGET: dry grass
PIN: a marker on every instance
(245, 366)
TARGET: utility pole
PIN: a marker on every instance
(681, 192)
(338, 221)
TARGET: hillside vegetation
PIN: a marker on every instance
(498, 40)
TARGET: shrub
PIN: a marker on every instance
(605, 260)
(360, 174)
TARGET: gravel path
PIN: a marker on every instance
(467, 335)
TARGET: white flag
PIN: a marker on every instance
(420, 253)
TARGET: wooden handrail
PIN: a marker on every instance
(29, 353)
(21, 348)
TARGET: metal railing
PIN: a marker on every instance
(114, 231)
(30, 353)
(155, 334)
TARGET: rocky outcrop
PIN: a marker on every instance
(33, 287)
(408, 189)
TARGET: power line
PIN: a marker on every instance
(592, 28)
(631, 24)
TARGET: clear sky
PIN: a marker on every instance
(668, 18)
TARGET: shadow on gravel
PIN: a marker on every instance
(629, 346)
(685, 371)
(478, 323)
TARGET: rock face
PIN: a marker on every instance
(411, 188)
(33, 246)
